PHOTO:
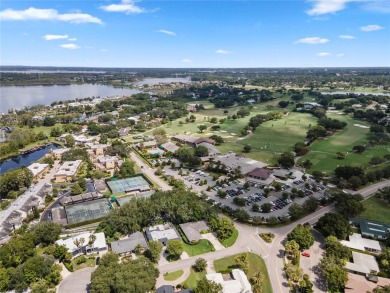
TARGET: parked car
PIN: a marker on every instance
(306, 253)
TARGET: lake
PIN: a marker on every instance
(153, 81)
(18, 161)
(17, 97)
(356, 93)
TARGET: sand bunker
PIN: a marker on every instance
(361, 126)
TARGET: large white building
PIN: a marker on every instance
(356, 241)
(363, 264)
(38, 170)
(99, 245)
(67, 171)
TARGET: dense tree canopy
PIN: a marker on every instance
(129, 277)
(302, 235)
(333, 224)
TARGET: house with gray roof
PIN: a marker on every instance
(129, 244)
(162, 233)
(193, 230)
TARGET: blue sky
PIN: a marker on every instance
(317, 33)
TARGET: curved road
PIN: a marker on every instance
(77, 282)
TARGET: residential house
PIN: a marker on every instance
(100, 185)
(170, 289)
(193, 230)
(191, 140)
(162, 233)
(67, 171)
(362, 264)
(83, 240)
(108, 162)
(98, 149)
(261, 176)
(363, 284)
(39, 170)
(129, 244)
(310, 105)
(238, 283)
(356, 241)
(124, 131)
(372, 229)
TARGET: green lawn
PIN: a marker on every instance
(203, 246)
(193, 278)
(172, 276)
(231, 240)
(376, 210)
(90, 262)
(256, 263)
(323, 152)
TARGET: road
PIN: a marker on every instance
(33, 190)
(149, 172)
(77, 282)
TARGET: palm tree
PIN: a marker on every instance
(81, 240)
(258, 278)
(92, 238)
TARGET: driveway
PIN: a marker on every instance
(77, 282)
(214, 241)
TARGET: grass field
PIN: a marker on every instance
(323, 153)
(376, 210)
(231, 240)
(203, 246)
(256, 263)
(172, 276)
(193, 278)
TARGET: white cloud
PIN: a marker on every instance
(323, 54)
(348, 37)
(103, 50)
(70, 46)
(126, 6)
(223, 52)
(371, 27)
(47, 14)
(312, 40)
(167, 32)
(321, 7)
(55, 37)
(72, 39)
(382, 6)
(186, 61)
(340, 55)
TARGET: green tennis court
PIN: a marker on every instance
(87, 211)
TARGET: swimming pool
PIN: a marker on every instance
(155, 152)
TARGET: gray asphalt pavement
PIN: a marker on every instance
(77, 282)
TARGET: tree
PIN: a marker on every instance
(200, 264)
(310, 205)
(46, 233)
(258, 280)
(359, 149)
(333, 224)
(134, 276)
(184, 153)
(76, 189)
(335, 274)
(69, 141)
(384, 194)
(218, 139)
(349, 204)
(154, 250)
(286, 160)
(380, 289)
(296, 211)
(340, 156)
(291, 247)
(223, 226)
(302, 235)
(206, 286)
(266, 207)
(243, 262)
(175, 247)
(91, 240)
(202, 127)
(247, 148)
(336, 250)
(126, 170)
(201, 151)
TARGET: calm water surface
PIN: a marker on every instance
(17, 97)
(18, 161)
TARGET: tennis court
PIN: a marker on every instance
(87, 211)
(129, 185)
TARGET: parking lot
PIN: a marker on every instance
(276, 203)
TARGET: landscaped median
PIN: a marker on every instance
(172, 276)
(231, 240)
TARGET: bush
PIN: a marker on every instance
(267, 237)
(81, 259)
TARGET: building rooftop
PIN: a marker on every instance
(161, 232)
(60, 151)
(37, 168)
(239, 283)
(360, 284)
(356, 241)
(99, 243)
(170, 147)
(129, 244)
(192, 230)
(371, 227)
(69, 168)
(211, 148)
(260, 173)
(362, 263)
(105, 159)
(233, 161)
